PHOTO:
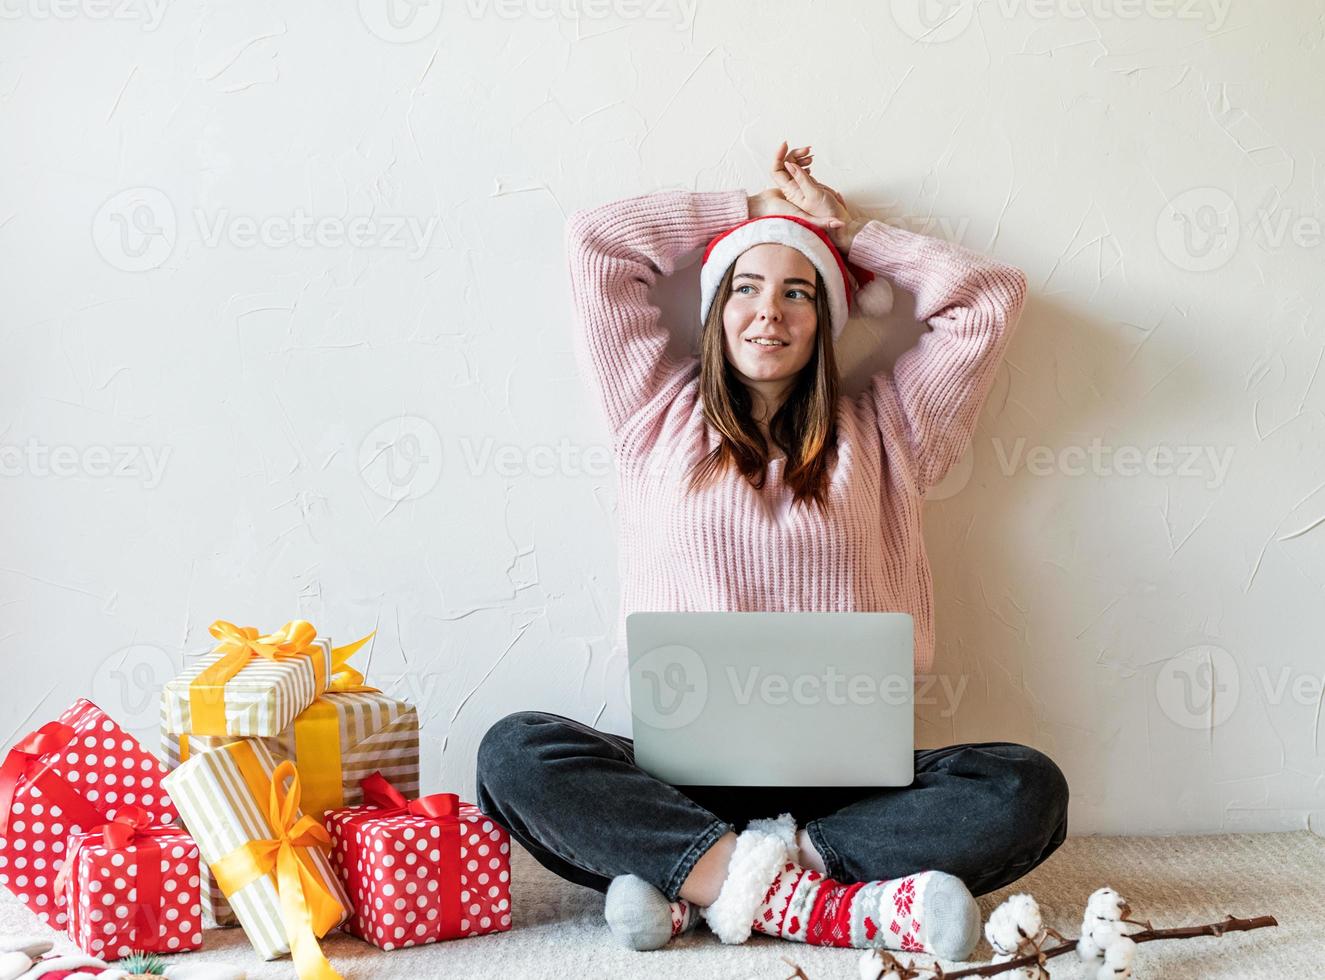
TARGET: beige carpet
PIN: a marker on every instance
(558, 929)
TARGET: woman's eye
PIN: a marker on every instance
(801, 291)
(743, 286)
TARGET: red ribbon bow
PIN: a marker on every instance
(23, 758)
(378, 792)
(131, 827)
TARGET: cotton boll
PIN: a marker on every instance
(1086, 949)
(871, 965)
(1101, 924)
(1103, 932)
(1014, 923)
(1118, 958)
(1105, 903)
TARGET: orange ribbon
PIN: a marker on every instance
(238, 646)
(308, 907)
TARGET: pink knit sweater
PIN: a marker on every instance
(731, 547)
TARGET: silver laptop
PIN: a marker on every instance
(773, 698)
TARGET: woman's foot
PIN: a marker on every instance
(641, 917)
(767, 890)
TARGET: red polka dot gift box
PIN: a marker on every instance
(131, 886)
(420, 871)
(69, 776)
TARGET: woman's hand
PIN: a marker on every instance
(811, 199)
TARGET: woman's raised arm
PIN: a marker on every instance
(972, 303)
(616, 252)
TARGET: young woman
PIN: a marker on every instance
(748, 483)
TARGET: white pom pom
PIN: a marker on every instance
(1118, 958)
(875, 298)
(871, 965)
(1014, 923)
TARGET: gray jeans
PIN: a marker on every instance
(986, 812)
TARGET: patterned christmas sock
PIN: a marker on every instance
(926, 912)
(640, 916)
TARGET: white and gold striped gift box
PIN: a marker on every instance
(262, 699)
(222, 796)
(376, 733)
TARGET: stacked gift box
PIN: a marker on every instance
(288, 795)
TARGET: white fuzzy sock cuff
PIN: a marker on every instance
(761, 849)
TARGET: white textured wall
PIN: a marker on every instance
(366, 432)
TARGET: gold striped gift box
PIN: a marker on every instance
(262, 699)
(223, 799)
(373, 733)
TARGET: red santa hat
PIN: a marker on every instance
(851, 289)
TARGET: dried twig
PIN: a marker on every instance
(1148, 935)
(799, 974)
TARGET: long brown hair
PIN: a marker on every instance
(804, 426)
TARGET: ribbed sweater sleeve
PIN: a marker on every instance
(616, 252)
(972, 303)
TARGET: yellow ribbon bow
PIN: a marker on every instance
(308, 907)
(345, 678)
(239, 645)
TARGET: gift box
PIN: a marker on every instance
(343, 737)
(266, 856)
(130, 886)
(69, 776)
(250, 684)
(420, 871)
(335, 743)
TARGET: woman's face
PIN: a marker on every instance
(772, 295)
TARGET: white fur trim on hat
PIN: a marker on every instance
(758, 855)
(782, 231)
(875, 298)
